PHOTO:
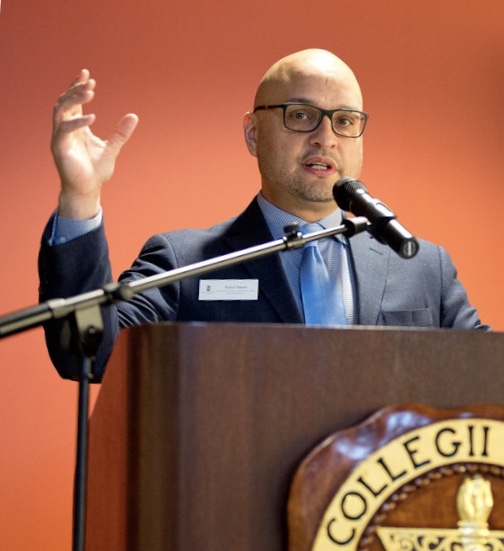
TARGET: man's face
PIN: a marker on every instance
(298, 170)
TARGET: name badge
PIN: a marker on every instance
(228, 289)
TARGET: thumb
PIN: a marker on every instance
(123, 132)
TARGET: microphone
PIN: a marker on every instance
(352, 196)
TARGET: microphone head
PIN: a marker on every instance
(344, 191)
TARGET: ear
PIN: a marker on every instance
(250, 132)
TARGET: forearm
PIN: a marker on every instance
(68, 270)
(456, 310)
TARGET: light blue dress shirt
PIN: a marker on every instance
(336, 257)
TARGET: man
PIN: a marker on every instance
(306, 132)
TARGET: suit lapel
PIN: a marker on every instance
(370, 260)
(248, 230)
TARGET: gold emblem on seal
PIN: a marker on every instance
(474, 504)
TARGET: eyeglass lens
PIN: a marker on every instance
(305, 118)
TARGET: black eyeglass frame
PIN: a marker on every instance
(323, 112)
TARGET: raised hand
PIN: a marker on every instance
(84, 161)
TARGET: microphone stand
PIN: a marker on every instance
(84, 313)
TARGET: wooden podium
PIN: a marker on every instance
(198, 428)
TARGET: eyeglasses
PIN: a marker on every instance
(301, 117)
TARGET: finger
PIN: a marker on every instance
(81, 83)
(75, 97)
(64, 130)
(65, 121)
(74, 124)
(80, 92)
(83, 76)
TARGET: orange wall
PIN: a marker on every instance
(432, 72)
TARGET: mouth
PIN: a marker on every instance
(318, 165)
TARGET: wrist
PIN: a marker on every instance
(78, 207)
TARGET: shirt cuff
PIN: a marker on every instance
(66, 229)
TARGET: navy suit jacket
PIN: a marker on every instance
(420, 292)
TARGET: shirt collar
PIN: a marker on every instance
(277, 218)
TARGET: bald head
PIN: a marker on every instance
(285, 73)
(299, 168)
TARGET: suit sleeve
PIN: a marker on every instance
(82, 265)
(67, 270)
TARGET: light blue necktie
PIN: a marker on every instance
(322, 302)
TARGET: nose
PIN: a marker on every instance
(323, 135)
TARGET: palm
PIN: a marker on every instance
(88, 161)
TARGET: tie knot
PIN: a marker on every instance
(310, 228)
